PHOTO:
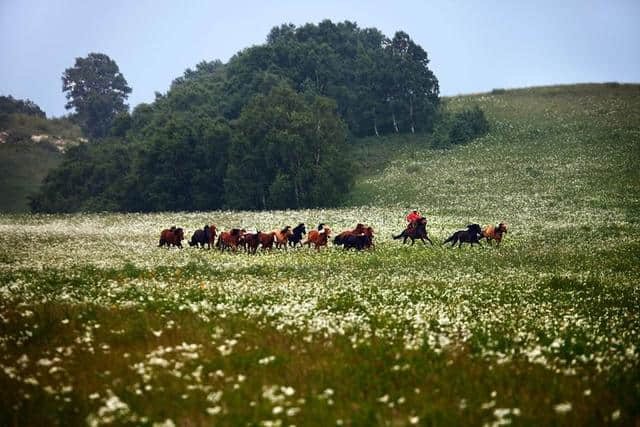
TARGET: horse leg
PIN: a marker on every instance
(428, 239)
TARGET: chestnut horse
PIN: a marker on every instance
(339, 239)
(173, 236)
(282, 236)
(318, 238)
(266, 239)
(229, 239)
(250, 241)
(492, 232)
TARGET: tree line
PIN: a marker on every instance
(267, 130)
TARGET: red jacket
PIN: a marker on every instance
(413, 216)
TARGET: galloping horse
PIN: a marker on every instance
(206, 236)
(266, 239)
(296, 237)
(229, 239)
(494, 233)
(417, 232)
(471, 235)
(339, 239)
(282, 236)
(318, 238)
(359, 241)
(251, 242)
(173, 236)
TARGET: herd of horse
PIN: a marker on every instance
(358, 238)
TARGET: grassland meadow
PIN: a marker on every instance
(99, 326)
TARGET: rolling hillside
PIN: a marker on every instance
(24, 166)
(551, 151)
(30, 146)
(543, 330)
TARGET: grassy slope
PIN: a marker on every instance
(401, 334)
(24, 166)
(551, 151)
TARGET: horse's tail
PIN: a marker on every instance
(399, 236)
(449, 239)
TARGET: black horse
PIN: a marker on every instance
(417, 232)
(296, 237)
(359, 242)
(471, 235)
(203, 237)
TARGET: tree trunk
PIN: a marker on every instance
(375, 123)
(395, 123)
(411, 115)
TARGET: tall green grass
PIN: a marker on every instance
(100, 326)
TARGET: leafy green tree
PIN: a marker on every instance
(288, 153)
(89, 179)
(97, 90)
(379, 84)
(182, 163)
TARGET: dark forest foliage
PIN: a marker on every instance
(10, 105)
(267, 130)
(460, 128)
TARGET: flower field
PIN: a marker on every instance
(100, 326)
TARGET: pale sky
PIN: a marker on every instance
(474, 46)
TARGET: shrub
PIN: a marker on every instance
(460, 128)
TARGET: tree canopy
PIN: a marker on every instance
(287, 153)
(267, 130)
(97, 90)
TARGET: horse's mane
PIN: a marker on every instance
(284, 230)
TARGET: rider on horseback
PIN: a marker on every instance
(413, 219)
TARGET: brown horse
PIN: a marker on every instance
(492, 232)
(282, 236)
(359, 241)
(340, 238)
(229, 239)
(267, 239)
(173, 236)
(318, 238)
(368, 232)
(250, 241)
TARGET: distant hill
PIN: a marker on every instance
(558, 148)
(566, 145)
(30, 146)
